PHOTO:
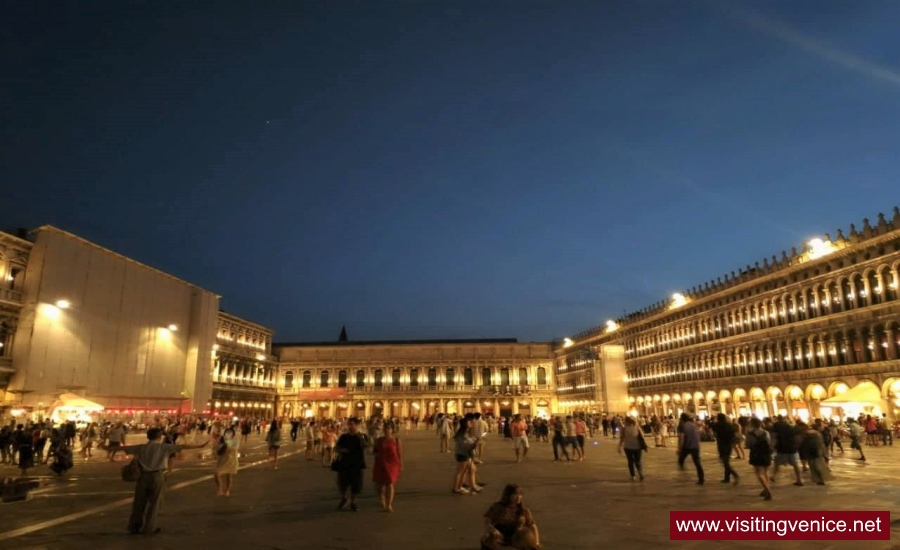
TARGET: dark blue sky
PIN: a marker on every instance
(429, 169)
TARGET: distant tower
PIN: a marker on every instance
(343, 336)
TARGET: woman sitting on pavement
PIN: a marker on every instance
(509, 524)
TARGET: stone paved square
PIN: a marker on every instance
(583, 505)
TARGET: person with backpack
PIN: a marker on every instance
(725, 438)
(760, 445)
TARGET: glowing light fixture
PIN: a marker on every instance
(63, 304)
(173, 328)
(819, 248)
(678, 300)
(568, 343)
(611, 326)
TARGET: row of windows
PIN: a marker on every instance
(854, 291)
(836, 263)
(851, 346)
(258, 342)
(431, 378)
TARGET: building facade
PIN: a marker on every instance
(814, 333)
(14, 253)
(245, 371)
(415, 378)
(105, 327)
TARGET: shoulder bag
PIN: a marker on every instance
(131, 472)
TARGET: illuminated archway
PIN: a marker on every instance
(775, 400)
(795, 403)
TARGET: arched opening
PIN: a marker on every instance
(395, 378)
(796, 403)
(379, 378)
(360, 378)
(523, 376)
(342, 379)
(485, 376)
(307, 379)
(414, 377)
(541, 376)
(775, 399)
(432, 377)
(504, 376)
(324, 379)
(468, 377)
(758, 405)
(289, 379)
(451, 377)
(815, 393)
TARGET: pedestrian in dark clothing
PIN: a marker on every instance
(725, 439)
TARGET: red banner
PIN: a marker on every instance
(780, 525)
(322, 393)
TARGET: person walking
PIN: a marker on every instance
(349, 464)
(116, 439)
(760, 445)
(153, 459)
(631, 439)
(226, 463)
(388, 465)
(520, 437)
(273, 439)
(856, 432)
(689, 445)
(725, 442)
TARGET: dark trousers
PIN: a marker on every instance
(695, 456)
(634, 461)
(725, 457)
(145, 508)
(560, 442)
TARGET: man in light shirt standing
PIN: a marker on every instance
(480, 429)
(153, 458)
(520, 436)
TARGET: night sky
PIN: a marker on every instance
(429, 169)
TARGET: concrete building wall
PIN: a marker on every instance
(113, 342)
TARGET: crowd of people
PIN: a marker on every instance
(768, 444)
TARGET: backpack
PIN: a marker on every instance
(760, 451)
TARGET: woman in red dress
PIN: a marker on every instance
(388, 464)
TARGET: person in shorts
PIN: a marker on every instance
(786, 452)
(350, 463)
(519, 431)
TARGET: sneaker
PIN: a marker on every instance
(461, 491)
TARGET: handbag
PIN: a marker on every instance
(131, 472)
(336, 465)
(642, 441)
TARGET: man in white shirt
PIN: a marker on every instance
(480, 428)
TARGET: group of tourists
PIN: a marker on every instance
(804, 446)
